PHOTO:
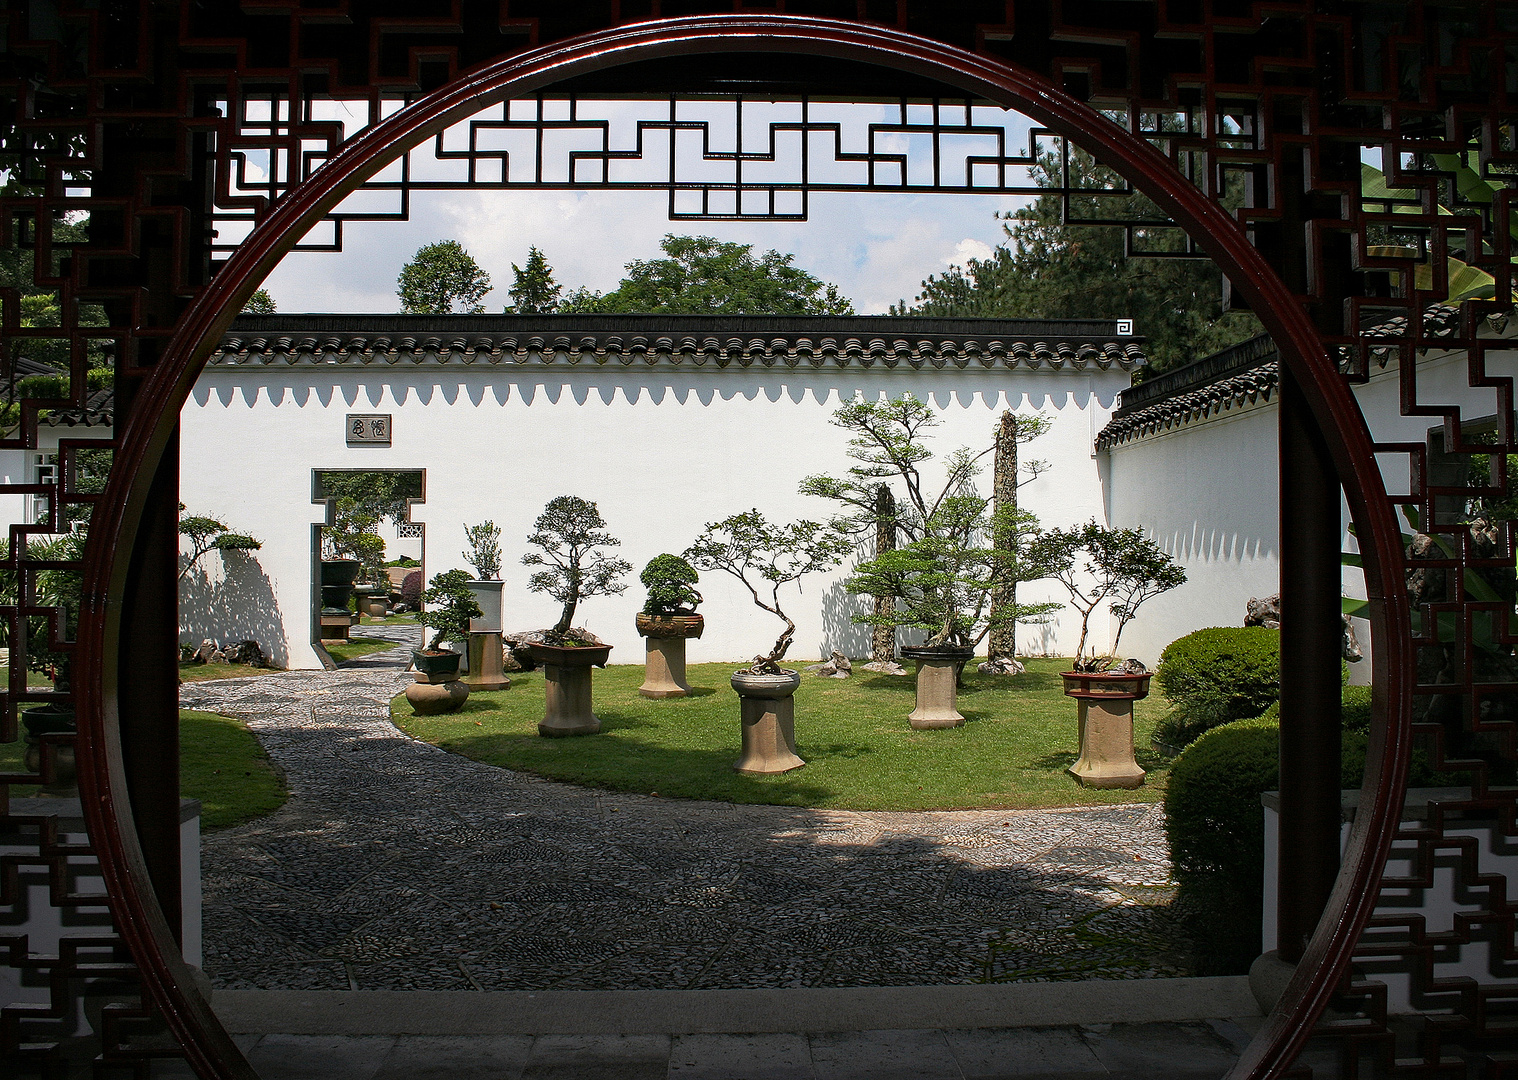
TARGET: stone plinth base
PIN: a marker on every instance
(336, 627)
(768, 710)
(664, 670)
(936, 694)
(485, 655)
(434, 699)
(1106, 743)
(566, 692)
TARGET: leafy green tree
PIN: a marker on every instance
(1097, 564)
(570, 534)
(382, 495)
(757, 552)
(484, 552)
(260, 303)
(671, 585)
(703, 275)
(533, 289)
(449, 607)
(1053, 270)
(442, 278)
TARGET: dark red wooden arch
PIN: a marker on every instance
(114, 531)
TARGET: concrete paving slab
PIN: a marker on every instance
(1146, 1051)
(781, 1056)
(1024, 1054)
(884, 1055)
(598, 1057)
(456, 1057)
(320, 1057)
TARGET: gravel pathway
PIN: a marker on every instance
(397, 866)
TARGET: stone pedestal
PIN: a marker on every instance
(55, 726)
(566, 693)
(664, 670)
(937, 696)
(485, 654)
(768, 710)
(335, 626)
(436, 698)
(1106, 728)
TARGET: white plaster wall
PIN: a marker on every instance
(662, 451)
(1207, 492)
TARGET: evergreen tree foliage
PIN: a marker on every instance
(1052, 270)
(440, 279)
(260, 303)
(533, 289)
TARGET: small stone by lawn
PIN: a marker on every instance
(1018, 739)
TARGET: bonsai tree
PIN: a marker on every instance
(206, 535)
(943, 583)
(484, 552)
(450, 606)
(669, 580)
(570, 534)
(755, 550)
(1097, 564)
(956, 574)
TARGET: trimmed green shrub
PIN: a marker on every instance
(1354, 710)
(1216, 676)
(1216, 827)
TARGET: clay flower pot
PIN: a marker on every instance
(664, 668)
(937, 677)
(769, 721)
(566, 687)
(1106, 727)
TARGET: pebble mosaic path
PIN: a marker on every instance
(396, 865)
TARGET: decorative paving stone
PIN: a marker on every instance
(408, 867)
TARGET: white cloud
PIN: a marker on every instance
(967, 249)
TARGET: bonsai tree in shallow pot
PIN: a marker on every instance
(1121, 568)
(943, 583)
(485, 648)
(766, 556)
(668, 617)
(570, 535)
(450, 606)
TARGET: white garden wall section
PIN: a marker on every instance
(661, 450)
(1206, 491)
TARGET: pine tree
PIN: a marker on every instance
(533, 289)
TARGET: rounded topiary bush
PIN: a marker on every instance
(411, 590)
(1216, 676)
(1215, 822)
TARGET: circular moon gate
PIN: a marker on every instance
(114, 530)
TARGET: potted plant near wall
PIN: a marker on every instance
(485, 649)
(767, 556)
(450, 606)
(668, 618)
(50, 727)
(942, 583)
(1121, 568)
(350, 546)
(571, 536)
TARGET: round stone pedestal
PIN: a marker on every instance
(664, 670)
(566, 693)
(40, 723)
(485, 655)
(1105, 724)
(937, 696)
(434, 699)
(768, 712)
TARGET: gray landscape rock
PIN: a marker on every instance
(1002, 665)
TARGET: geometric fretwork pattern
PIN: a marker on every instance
(129, 113)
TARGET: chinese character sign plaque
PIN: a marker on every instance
(368, 430)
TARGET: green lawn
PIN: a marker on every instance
(389, 620)
(220, 763)
(861, 754)
(202, 672)
(353, 648)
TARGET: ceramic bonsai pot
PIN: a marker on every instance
(566, 687)
(664, 667)
(441, 666)
(1105, 723)
(338, 576)
(431, 697)
(54, 720)
(937, 677)
(768, 712)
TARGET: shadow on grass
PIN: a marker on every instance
(646, 767)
